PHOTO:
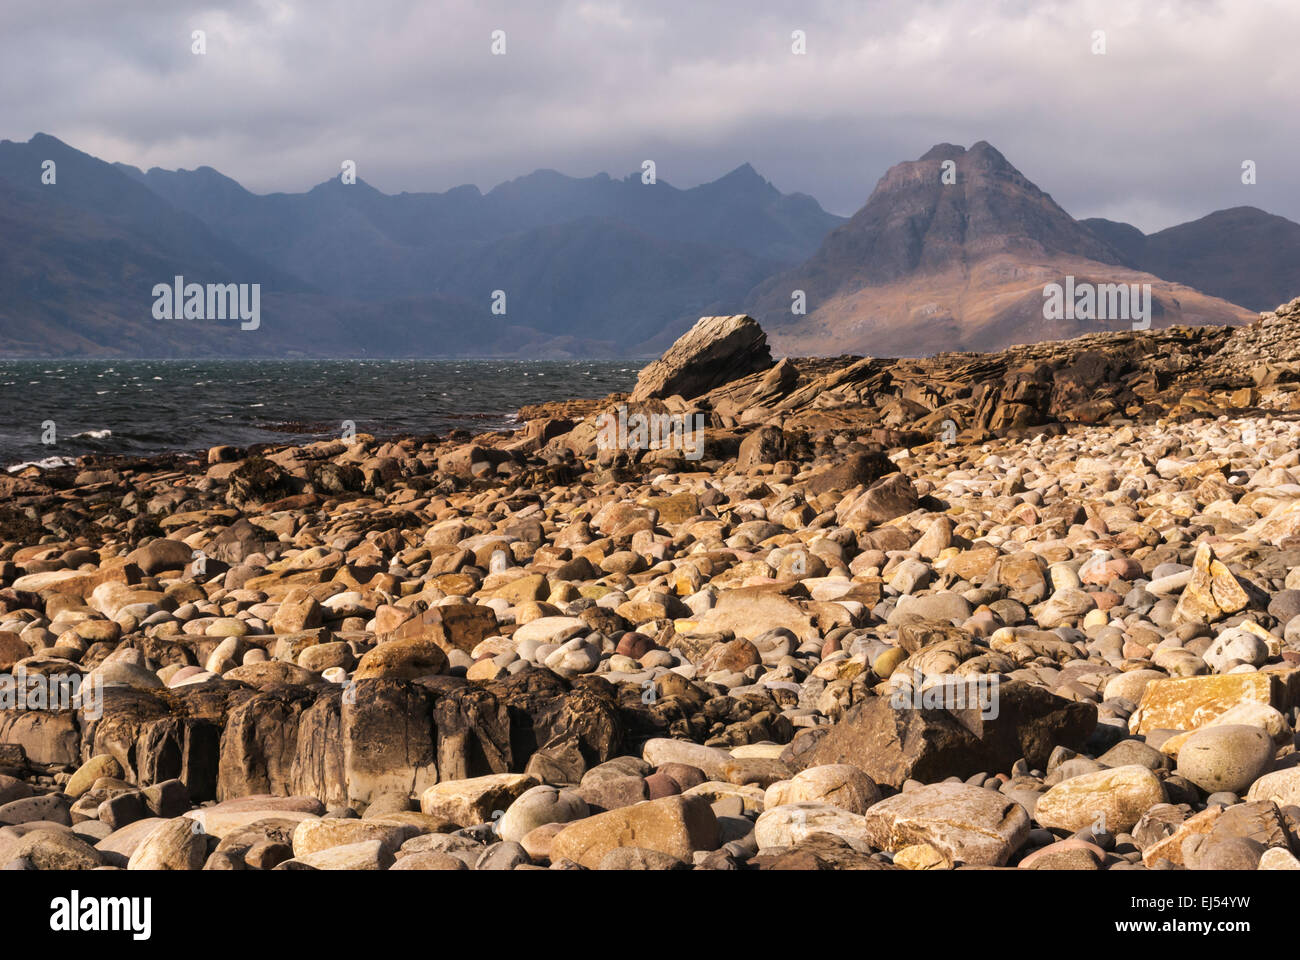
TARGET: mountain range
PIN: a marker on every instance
(951, 251)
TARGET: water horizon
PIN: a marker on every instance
(53, 411)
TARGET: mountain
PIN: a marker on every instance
(617, 261)
(928, 265)
(589, 266)
(593, 266)
(79, 258)
(1124, 238)
(1241, 254)
(740, 210)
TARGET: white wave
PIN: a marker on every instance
(49, 463)
(92, 435)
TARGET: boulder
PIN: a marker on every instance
(1186, 703)
(791, 823)
(837, 784)
(402, 659)
(892, 744)
(172, 845)
(677, 826)
(320, 834)
(715, 351)
(476, 800)
(1226, 758)
(1112, 800)
(967, 824)
(885, 500)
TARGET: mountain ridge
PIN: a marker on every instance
(593, 266)
(953, 251)
(598, 265)
(1242, 254)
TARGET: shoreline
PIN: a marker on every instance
(1038, 609)
(149, 408)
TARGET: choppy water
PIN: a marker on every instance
(157, 406)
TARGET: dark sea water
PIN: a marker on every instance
(158, 406)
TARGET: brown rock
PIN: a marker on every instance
(733, 656)
(677, 826)
(457, 626)
(401, 660)
(965, 823)
(715, 351)
(472, 801)
(884, 500)
(1187, 703)
(1212, 593)
(12, 649)
(1114, 800)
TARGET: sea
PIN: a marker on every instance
(144, 407)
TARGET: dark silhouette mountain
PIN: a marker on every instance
(79, 258)
(929, 265)
(1124, 238)
(589, 266)
(402, 245)
(1241, 254)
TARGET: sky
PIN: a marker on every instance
(1153, 131)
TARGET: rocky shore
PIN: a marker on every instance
(1037, 609)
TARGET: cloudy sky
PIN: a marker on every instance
(1153, 131)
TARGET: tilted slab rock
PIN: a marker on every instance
(715, 351)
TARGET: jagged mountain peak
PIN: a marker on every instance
(953, 250)
(923, 217)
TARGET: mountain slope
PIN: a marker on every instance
(927, 265)
(79, 259)
(395, 242)
(1242, 254)
(589, 266)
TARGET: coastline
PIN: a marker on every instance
(518, 648)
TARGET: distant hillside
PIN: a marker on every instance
(591, 266)
(79, 259)
(1242, 254)
(618, 261)
(927, 266)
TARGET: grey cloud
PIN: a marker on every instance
(1153, 132)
